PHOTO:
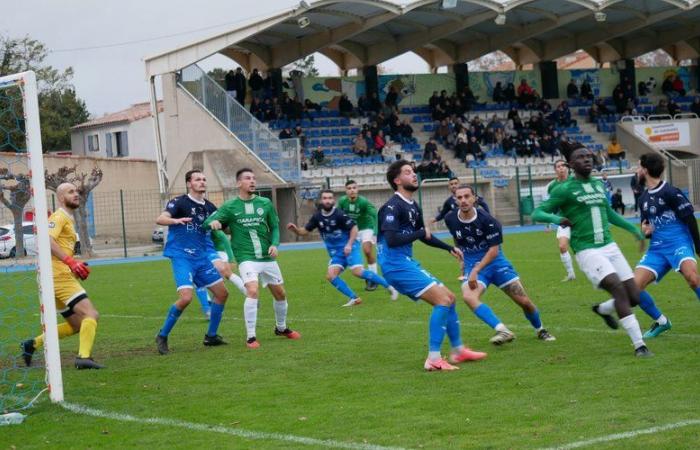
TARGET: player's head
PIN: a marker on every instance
(245, 180)
(561, 168)
(327, 201)
(401, 175)
(581, 161)
(466, 197)
(351, 189)
(453, 184)
(650, 165)
(195, 181)
(68, 195)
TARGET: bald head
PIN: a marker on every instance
(67, 195)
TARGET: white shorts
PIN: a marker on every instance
(367, 236)
(563, 232)
(267, 271)
(598, 263)
(223, 256)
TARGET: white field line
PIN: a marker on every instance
(246, 434)
(626, 435)
(398, 322)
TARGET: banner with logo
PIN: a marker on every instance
(672, 134)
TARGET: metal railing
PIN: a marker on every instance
(281, 155)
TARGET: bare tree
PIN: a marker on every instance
(19, 193)
(85, 183)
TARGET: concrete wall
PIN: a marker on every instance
(141, 142)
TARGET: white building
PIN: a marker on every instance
(123, 134)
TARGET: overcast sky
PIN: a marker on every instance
(112, 78)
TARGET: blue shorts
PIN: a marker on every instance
(499, 272)
(190, 273)
(660, 260)
(409, 278)
(339, 259)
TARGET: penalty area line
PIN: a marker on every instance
(246, 434)
(626, 435)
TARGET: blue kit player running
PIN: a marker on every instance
(401, 223)
(188, 248)
(339, 234)
(480, 236)
(668, 220)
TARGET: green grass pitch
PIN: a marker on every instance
(356, 376)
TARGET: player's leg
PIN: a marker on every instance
(250, 271)
(368, 241)
(333, 277)
(204, 302)
(280, 306)
(85, 318)
(472, 297)
(643, 276)
(226, 271)
(563, 237)
(689, 270)
(515, 290)
(354, 261)
(183, 271)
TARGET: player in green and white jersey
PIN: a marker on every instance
(561, 168)
(255, 236)
(359, 209)
(583, 206)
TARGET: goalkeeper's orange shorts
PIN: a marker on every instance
(67, 291)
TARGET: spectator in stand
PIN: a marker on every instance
(662, 107)
(285, 133)
(620, 101)
(673, 108)
(304, 162)
(498, 94)
(510, 130)
(526, 94)
(345, 107)
(678, 87)
(406, 132)
(392, 97)
(509, 93)
(643, 89)
(299, 134)
(617, 204)
(586, 90)
(268, 110)
(513, 113)
(544, 107)
(430, 151)
(461, 145)
(318, 157)
(547, 146)
(444, 171)
(311, 106)
(256, 84)
(495, 123)
(433, 102)
(695, 107)
(240, 86)
(379, 142)
(615, 151)
(604, 110)
(442, 132)
(369, 140)
(359, 146)
(628, 89)
(468, 99)
(363, 107)
(572, 90)
(230, 83)
(594, 113)
(374, 104)
(638, 187)
(256, 109)
(474, 149)
(667, 87)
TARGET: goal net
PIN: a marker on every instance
(26, 285)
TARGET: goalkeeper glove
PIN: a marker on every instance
(77, 267)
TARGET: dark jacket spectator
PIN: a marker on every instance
(617, 203)
(392, 97)
(498, 94)
(345, 107)
(286, 134)
(667, 86)
(256, 83)
(673, 108)
(318, 157)
(572, 90)
(240, 86)
(230, 81)
(256, 109)
(586, 90)
(430, 150)
(363, 106)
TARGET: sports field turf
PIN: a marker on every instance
(356, 378)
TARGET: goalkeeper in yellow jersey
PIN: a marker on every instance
(71, 300)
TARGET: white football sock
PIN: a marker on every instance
(238, 282)
(631, 326)
(280, 313)
(662, 320)
(568, 264)
(501, 327)
(372, 267)
(607, 307)
(434, 356)
(250, 314)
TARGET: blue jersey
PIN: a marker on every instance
(401, 216)
(476, 236)
(665, 207)
(334, 227)
(189, 240)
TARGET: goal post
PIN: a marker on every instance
(27, 84)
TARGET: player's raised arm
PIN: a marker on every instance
(619, 221)
(222, 241)
(166, 218)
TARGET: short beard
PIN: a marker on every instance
(410, 188)
(327, 208)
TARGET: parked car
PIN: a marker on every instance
(158, 235)
(8, 241)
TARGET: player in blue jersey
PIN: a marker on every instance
(480, 236)
(668, 220)
(339, 234)
(451, 202)
(188, 247)
(400, 224)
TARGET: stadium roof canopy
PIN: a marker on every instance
(358, 33)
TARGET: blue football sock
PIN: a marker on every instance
(453, 332)
(170, 319)
(203, 297)
(438, 327)
(646, 302)
(534, 318)
(343, 287)
(697, 292)
(374, 278)
(217, 311)
(485, 313)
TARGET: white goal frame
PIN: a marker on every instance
(30, 102)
